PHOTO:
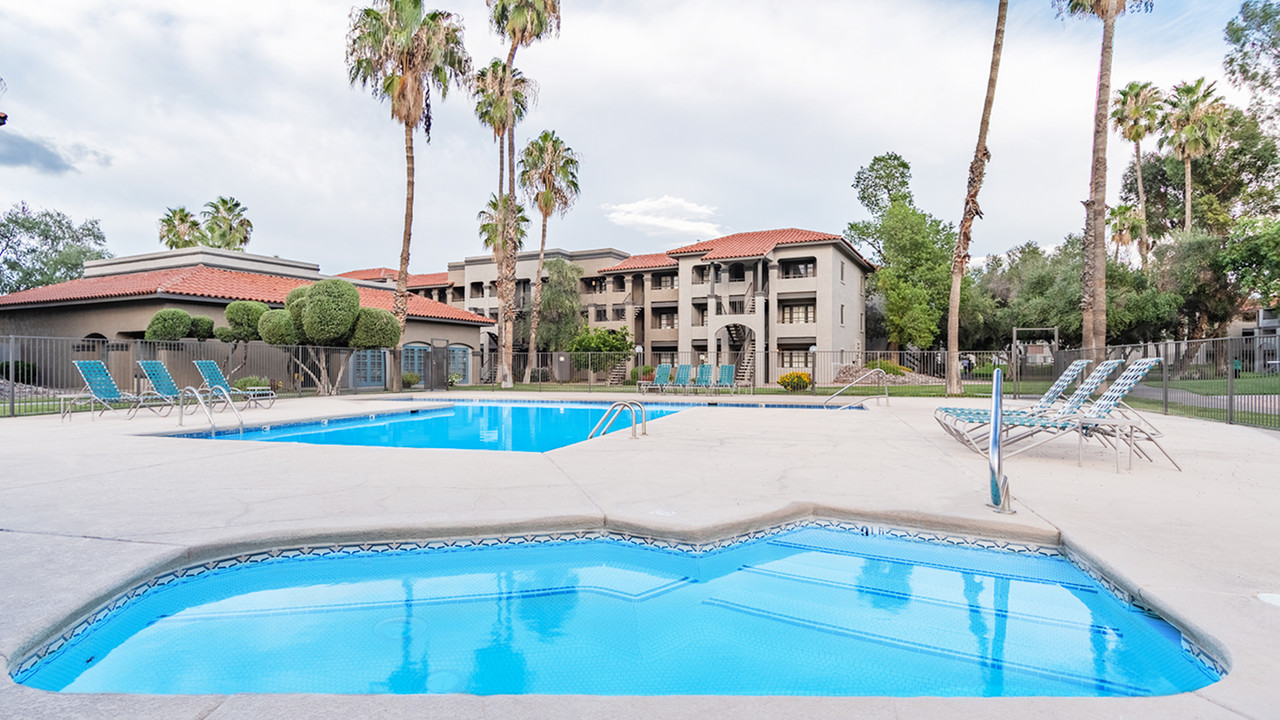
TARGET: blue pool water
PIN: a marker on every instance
(812, 611)
(521, 427)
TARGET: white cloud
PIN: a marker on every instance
(665, 215)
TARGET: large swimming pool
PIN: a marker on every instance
(520, 427)
(814, 610)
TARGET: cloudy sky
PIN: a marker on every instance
(694, 118)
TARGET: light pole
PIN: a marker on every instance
(813, 369)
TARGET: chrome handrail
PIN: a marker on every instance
(208, 408)
(995, 456)
(860, 378)
(612, 414)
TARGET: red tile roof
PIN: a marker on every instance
(201, 281)
(752, 244)
(427, 280)
(388, 275)
(643, 262)
(370, 274)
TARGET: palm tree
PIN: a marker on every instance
(400, 52)
(225, 224)
(1135, 111)
(1194, 122)
(180, 229)
(522, 22)
(1124, 221)
(1093, 296)
(549, 176)
(977, 169)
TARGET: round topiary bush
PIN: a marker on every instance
(276, 327)
(375, 328)
(296, 303)
(201, 327)
(242, 319)
(330, 312)
(795, 381)
(168, 325)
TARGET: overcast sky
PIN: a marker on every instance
(694, 118)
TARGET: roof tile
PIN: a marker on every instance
(643, 262)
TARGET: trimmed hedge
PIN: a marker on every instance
(201, 327)
(168, 325)
(375, 328)
(331, 311)
(276, 327)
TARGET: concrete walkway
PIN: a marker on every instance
(87, 508)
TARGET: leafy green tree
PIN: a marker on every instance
(1193, 123)
(1253, 61)
(602, 348)
(1195, 266)
(1124, 221)
(45, 248)
(1135, 113)
(560, 308)
(323, 316)
(887, 178)
(549, 176)
(201, 327)
(1252, 256)
(241, 329)
(401, 51)
(977, 170)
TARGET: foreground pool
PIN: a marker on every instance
(519, 427)
(810, 611)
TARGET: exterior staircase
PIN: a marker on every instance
(618, 374)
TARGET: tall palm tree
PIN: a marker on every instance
(1093, 296)
(549, 176)
(225, 224)
(495, 218)
(1135, 111)
(522, 22)
(401, 51)
(1194, 122)
(977, 169)
(180, 229)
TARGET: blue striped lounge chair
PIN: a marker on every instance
(681, 380)
(101, 389)
(661, 378)
(703, 381)
(216, 382)
(969, 425)
(1045, 404)
(162, 385)
(725, 381)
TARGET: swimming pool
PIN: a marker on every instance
(812, 610)
(511, 426)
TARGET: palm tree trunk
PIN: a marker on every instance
(1094, 295)
(1186, 175)
(400, 306)
(500, 247)
(508, 298)
(1144, 242)
(537, 304)
(977, 169)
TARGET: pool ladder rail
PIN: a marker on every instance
(612, 414)
(862, 404)
(189, 391)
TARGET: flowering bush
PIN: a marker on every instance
(795, 381)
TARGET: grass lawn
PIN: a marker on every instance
(1246, 384)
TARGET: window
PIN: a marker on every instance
(601, 316)
(619, 312)
(737, 272)
(458, 357)
(699, 316)
(664, 282)
(664, 357)
(805, 268)
(700, 274)
(593, 285)
(619, 283)
(793, 359)
(805, 313)
(493, 314)
(664, 320)
(477, 290)
(841, 274)
(841, 315)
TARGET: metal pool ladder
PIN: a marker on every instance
(612, 414)
(999, 481)
(208, 409)
(862, 403)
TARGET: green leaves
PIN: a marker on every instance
(1253, 61)
(46, 247)
(222, 225)
(1252, 255)
(168, 325)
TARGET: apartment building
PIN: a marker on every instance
(756, 298)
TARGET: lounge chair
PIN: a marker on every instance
(101, 389)
(968, 425)
(681, 380)
(1044, 405)
(725, 381)
(1095, 421)
(661, 376)
(703, 381)
(213, 378)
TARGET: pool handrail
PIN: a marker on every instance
(884, 384)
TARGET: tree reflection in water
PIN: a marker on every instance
(886, 585)
(500, 669)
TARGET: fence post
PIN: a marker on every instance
(12, 376)
(1164, 380)
(1231, 384)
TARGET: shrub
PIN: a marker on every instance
(454, 379)
(276, 328)
(296, 304)
(889, 366)
(201, 328)
(985, 370)
(540, 375)
(642, 373)
(168, 325)
(375, 328)
(795, 381)
(410, 379)
(249, 381)
(330, 313)
(23, 372)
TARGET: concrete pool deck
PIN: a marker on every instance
(89, 508)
